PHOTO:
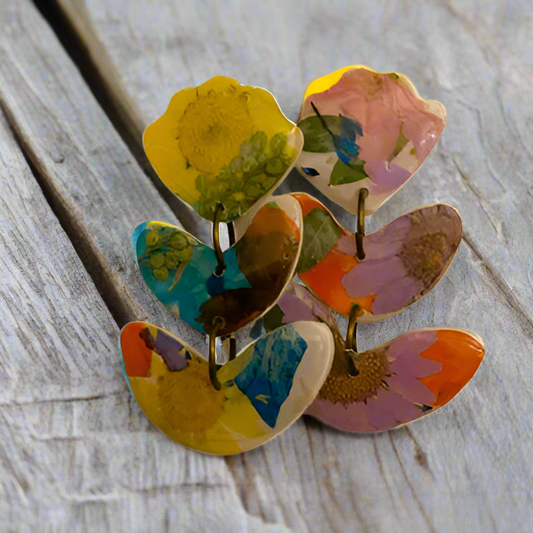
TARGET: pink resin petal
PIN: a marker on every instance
(390, 409)
(411, 389)
(396, 295)
(404, 354)
(354, 417)
(369, 277)
(294, 309)
(388, 241)
(297, 304)
(386, 176)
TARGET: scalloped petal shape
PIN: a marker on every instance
(425, 369)
(222, 142)
(404, 260)
(179, 269)
(365, 129)
(264, 390)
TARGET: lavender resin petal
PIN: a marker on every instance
(396, 295)
(390, 409)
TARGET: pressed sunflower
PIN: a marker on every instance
(222, 143)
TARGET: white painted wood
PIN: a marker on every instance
(467, 467)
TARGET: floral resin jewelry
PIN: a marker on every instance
(222, 143)
(182, 272)
(403, 261)
(390, 385)
(365, 130)
(248, 401)
(223, 148)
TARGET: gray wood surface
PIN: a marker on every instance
(466, 468)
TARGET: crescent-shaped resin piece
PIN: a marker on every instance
(404, 260)
(398, 381)
(365, 129)
(180, 270)
(387, 386)
(222, 143)
(264, 389)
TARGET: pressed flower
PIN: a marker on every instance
(223, 148)
(222, 143)
(365, 129)
(404, 260)
(181, 270)
(264, 390)
(392, 384)
(421, 370)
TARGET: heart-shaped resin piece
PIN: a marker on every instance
(404, 260)
(365, 129)
(399, 381)
(180, 270)
(222, 143)
(264, 389)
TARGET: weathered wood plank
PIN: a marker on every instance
(467, 467)
(76, 454)
(90, 176)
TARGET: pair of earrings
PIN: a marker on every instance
(224, 148)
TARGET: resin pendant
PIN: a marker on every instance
(223, 148)
(398, 381)
(403, 260)
(263, 390)
(365, 129)
(222, 143)
(387, 386)
(181, 271)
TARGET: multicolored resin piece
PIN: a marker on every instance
(222, 143)
(264, 390)
(390, 385)
(399, 381)
(223, 148)
(365, 129)
(180, 270)
(404, 260)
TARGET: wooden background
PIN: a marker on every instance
(79, 80)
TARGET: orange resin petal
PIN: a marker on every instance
(325, 279)
(460, 355)
(137, 356)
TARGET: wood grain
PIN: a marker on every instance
(467, 467)
(76, 454)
